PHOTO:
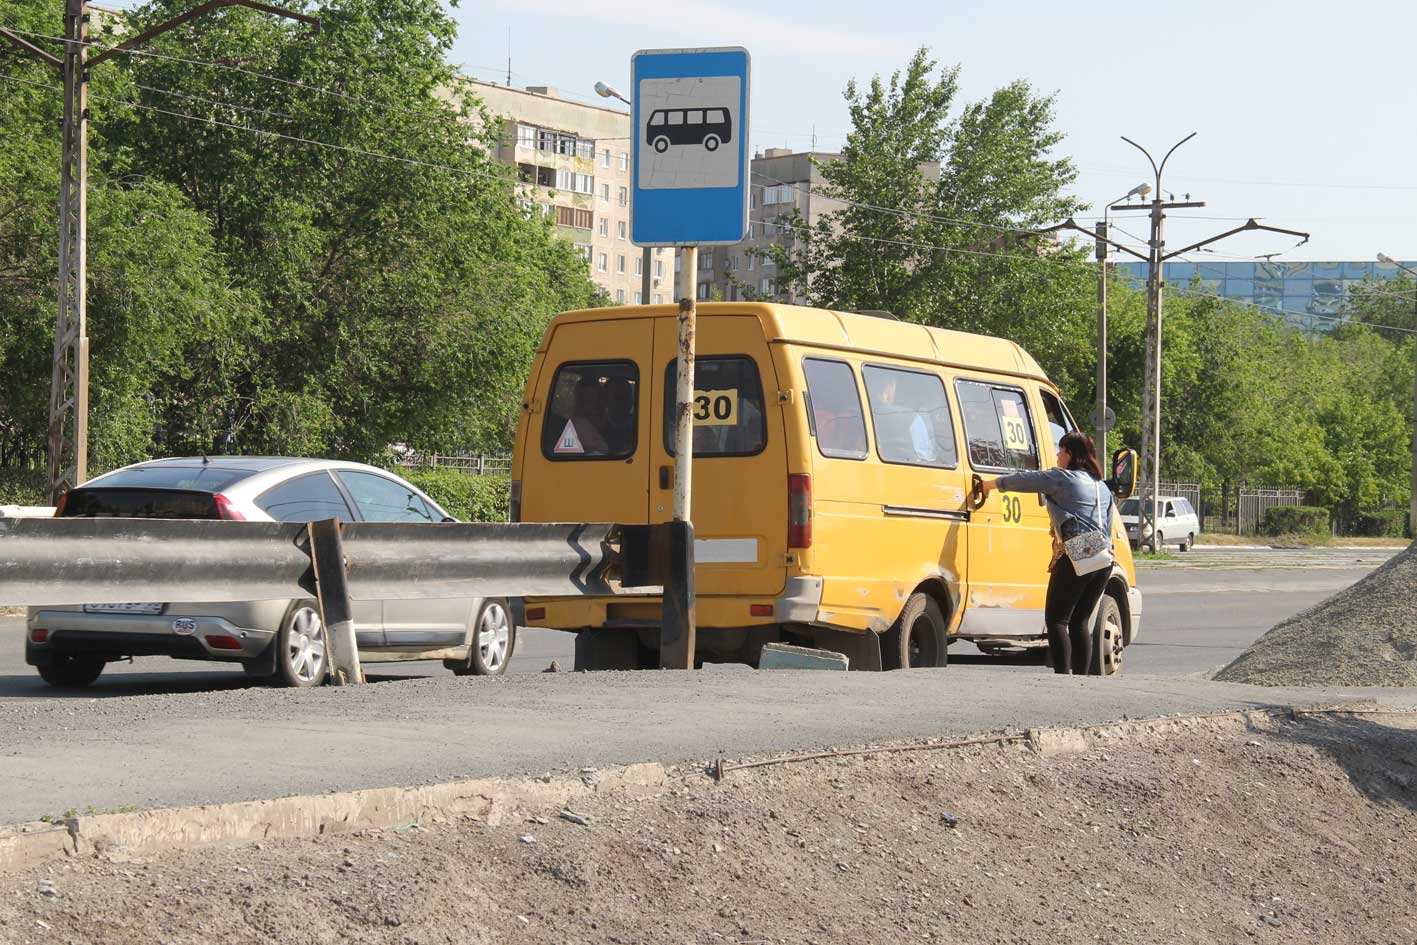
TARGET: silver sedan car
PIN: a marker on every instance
(277, 640)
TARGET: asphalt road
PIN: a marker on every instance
(198, 735)
(1202, 609)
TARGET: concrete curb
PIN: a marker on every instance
(495, 801)
(491, 800)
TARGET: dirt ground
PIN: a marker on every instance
(1303, 833)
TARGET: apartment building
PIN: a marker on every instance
(574, 164)
(782, 181)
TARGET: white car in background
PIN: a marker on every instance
(1176, 523)
(279, 641)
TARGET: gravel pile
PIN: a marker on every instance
(1365, 635)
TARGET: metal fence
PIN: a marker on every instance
(1253, 502)
(474, 464)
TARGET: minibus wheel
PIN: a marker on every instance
(1107, 638)
(919, 638)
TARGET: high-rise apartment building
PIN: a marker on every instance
(573, 160)
(782, 181)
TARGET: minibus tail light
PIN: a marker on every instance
(59, 506)
(799, 511)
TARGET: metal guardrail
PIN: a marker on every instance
(95, 560)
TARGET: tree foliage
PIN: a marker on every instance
(373, 282)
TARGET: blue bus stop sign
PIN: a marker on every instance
(689, 138)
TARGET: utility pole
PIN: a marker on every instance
(1151, 385)
(1412, 500)
(69, 382)
(1100, 419)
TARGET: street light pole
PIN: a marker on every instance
(647, 255)
(1151, 386)
(1412, 501)
(1101, 424)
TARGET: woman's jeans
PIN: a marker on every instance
(1071, 600)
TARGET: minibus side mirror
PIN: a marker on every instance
(1124, 474)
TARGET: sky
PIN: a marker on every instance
(1301, 109)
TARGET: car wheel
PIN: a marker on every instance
(1107, 638)
(1158, 542)
(494, 640)
(918, 638)
(661, 144)
(1188, 542)
(711, 143)
(300, 654)
(71, 670)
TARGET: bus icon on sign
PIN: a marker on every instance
(709, 127)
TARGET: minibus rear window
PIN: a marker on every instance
(728, 407)
(997, 426)
(834, 403)
(593, 411)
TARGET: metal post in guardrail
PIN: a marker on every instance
(336, 609)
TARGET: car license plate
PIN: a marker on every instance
(140, 608)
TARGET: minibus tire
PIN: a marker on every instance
(919, 638)
(1107, 639)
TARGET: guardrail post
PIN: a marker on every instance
(677, 625)
(336, 611)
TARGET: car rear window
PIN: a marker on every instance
(196, 477)
(593, 412)
(728, 407)
(139, 503)
(1131, 507)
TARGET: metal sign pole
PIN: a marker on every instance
(677, 635)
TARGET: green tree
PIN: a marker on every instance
(932, 202)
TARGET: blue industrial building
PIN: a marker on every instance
(1310, 295)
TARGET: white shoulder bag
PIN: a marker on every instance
(1086, 542)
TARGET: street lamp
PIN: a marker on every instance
(605, 90)
(1412, 501)
(1100, 420)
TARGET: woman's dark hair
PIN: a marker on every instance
(1082, 454)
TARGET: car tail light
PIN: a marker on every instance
(760, 610)
(226, 510)
(799, 511)
(516, 515)
(59, 506)
(221, 642)
(39, 635)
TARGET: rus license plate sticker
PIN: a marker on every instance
(185, 626)
(141, 608)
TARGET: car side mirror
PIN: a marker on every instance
(1124, 473)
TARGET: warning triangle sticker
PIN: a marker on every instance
(569, 441)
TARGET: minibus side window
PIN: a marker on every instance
(911, 414)
(1059, 423)
(593, 411)
(834, 405)
(728, 407)
(997, 426)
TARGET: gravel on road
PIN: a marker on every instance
(1365, 635)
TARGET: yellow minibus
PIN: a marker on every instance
(833, 459)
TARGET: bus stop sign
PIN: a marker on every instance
(689, 138)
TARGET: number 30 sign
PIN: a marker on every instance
(715, 408)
